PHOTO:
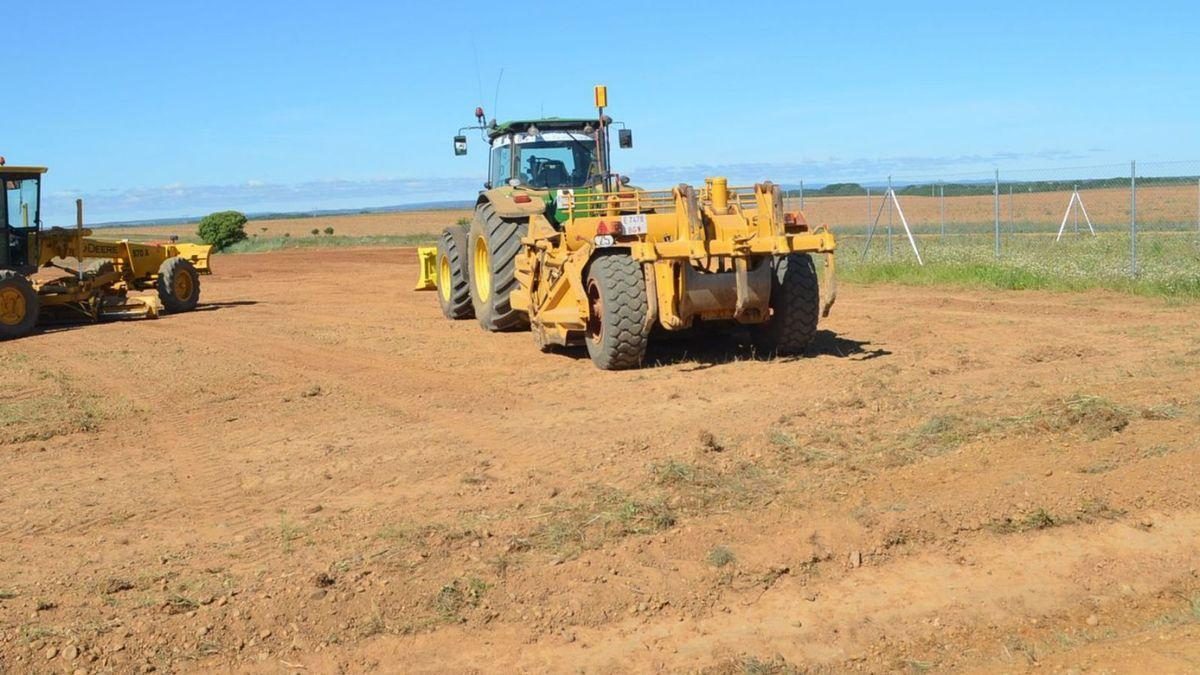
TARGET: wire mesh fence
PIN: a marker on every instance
(1114, 223)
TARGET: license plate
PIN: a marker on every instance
(634, 224)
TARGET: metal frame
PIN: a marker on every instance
(1076, 199)
(890, 199)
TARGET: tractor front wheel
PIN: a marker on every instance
(795, 308)
(493, 245)
(617, 307)
(19, 305)
(453, 282)
(178, 285)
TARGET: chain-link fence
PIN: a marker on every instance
(1134, 220)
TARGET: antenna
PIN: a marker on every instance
(496, 98)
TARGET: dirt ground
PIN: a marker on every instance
(318, 473)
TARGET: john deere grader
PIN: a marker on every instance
(37, 283)
(563, 245)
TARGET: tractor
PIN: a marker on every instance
(37, 283)
(563, 245)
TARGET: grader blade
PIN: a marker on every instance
(427, 259)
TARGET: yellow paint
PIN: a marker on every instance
(694, 242)
(427, 257)
(12, 306)
(482, 269)
(601, 96)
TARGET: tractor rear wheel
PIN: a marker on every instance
(453, 285)
(494, 243)
(795, 308)
(617, 331)
(178, 285)
(19, 305)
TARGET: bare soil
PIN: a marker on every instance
(317, 472)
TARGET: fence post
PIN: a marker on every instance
(890, 195)
(1133, 249)
(1198, 204)
(801, 195)
(996, 191)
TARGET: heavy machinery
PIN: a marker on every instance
(563, 245)
(36, 281)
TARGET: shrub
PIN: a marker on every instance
(329, 231)
(222, 229)
(315, 232)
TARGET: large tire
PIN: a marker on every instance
(795, 308)
(454, 291)
(617, 330)
(178, 285)
(19, 306)
(494, 243)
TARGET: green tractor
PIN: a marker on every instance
(533, 164)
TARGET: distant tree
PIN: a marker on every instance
(222, 229)
(329, 231)
(315, 232)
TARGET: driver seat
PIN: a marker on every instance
(553, 174)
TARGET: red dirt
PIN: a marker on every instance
(318, 472)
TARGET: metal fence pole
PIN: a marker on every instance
(1133, 249)
(1198, 204)
(801, 195)
(996, 191)
(890, 196)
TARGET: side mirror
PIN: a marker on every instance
(625, 138)
(624, 180)
(460, 146)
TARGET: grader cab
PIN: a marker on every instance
(70, 274)
(565, 246)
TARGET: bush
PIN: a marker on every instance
(222, 229)
(329, 231)
(315, 232)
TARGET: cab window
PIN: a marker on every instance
(22, 199)
(501, 169)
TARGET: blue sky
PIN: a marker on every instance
(159, 109)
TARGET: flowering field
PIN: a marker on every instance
(1168, 262)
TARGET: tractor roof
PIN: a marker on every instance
(6, 170)
(544, 124)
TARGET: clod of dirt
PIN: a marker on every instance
(116, 586)
(709, 443)
(323, 580)
(315, 508)
(70, 652)
(51, 652)
(312, 391)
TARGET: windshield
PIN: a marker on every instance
(22, 198)
(555, 159)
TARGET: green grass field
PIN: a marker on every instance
(1169, 263)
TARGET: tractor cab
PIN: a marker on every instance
(20, 216)
(546, 154)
